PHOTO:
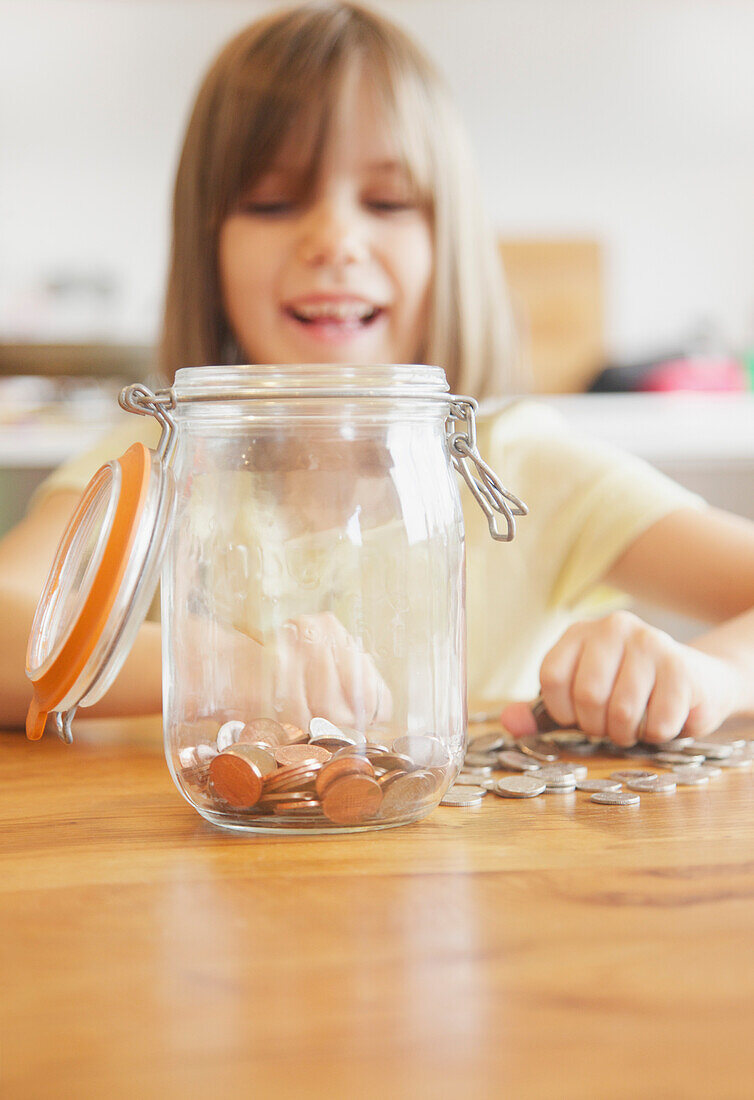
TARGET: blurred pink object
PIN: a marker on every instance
(518, 719)
(698, 373)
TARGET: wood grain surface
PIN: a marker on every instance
(541, 948)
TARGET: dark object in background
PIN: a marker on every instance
(675, 372)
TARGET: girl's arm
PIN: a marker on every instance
(26, 554)
(603, 675)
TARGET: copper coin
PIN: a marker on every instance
(332, 743)
(344, 765)
(235, 778)
(273, 798)
(262, 756)
(291, 777)
(298, 754)
(298, 809)
(391, 761)
(405, 792)
(266, 730)
(294, 735)
(352, 799)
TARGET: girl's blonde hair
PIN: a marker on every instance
(289, 68)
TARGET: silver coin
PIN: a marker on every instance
(187, 757)
(539, 749)
(640, 751)
(737, 760)
(566, 737)
(595, 785)
(516, 761)
(710, 749)
(678, 743)
(579, 770)
(479, 772)
(628, 774)
(519, 786)
(712, 771)
(678, 758)
(477, 791)
(490, 742)
(426, 751)
(462, 780)
(625, 752)
(320, 727)
(663, 784)
(479, 759)
(228, 734)
(560, 775)
(616, 798)
(561, 788)
(460, 797)
(584, 748)
(690, 776)
(262, 757)
(205, 753)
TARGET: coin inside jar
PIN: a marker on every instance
(293, 735)
(331, 742)
(236, 778)
(336, 769)
(351, 799)
(403, 792)
(293, 777)
(229, 733)
(424, 750)
(264, 730)
(299, 754)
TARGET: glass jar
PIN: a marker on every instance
(308, 527)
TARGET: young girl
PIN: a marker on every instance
(326, 210)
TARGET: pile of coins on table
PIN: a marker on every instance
(327, 775)
(537, 768)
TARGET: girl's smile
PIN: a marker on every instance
(334, 318)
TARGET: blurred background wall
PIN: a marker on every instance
(627, 122)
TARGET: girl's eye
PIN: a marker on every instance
(266, 209)
(386, 206)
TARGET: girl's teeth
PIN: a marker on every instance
(333, 312)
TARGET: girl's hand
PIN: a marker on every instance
(320, 670)
(310, 666)
(602, 676)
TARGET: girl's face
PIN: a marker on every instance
(342, 276)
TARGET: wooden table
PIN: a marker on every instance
(542, 948)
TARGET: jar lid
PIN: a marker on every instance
(99, 588)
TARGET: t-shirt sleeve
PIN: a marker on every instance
(75, 474)
(588, 501)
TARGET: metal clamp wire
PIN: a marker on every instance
(138, 398)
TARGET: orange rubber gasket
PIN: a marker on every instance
(53, 685)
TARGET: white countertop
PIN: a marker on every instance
(699, 428)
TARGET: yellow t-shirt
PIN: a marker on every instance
(587, 503)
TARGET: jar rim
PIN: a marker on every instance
(278, 380)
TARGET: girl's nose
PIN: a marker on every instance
(332, 236)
